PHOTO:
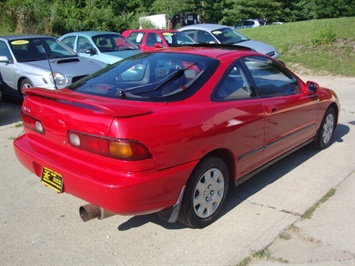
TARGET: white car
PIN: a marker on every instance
(39, 61)
(249, 23)
(216, 33)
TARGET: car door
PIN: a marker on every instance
(7, 71)
(290, 114)
(151, 41)
(246, 116)
(84, 44)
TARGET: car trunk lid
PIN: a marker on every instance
(63, 110)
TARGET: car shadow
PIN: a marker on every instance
(250, 187)
(10, 111)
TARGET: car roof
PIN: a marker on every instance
(208, 50)
(152, 30)
(92, 33)
(24, 36)
(205, 26)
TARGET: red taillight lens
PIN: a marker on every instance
(32, 123)
(123, 149)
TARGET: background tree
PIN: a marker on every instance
(56, 17)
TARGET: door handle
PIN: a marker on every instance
(272, 109)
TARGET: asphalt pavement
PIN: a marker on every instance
(262, 223)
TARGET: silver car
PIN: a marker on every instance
(39, 61)
(105, 46)
(216, 33)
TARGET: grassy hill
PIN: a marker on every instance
(322, 46)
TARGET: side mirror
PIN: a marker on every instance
(311, 87)
(91, 51)
(158, 45)
(4, 59)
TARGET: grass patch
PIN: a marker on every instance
(308, 213)
(325, 45)
(18, 125)
(259, 255)
(288, 232)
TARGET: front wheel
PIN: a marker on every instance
(26, 83)
(205, 194)
(326, 130)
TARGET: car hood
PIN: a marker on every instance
(72, 66)
(113, 57)
(260, 47)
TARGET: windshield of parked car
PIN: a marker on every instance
(36, 49)
(113, 42)
(177, 39)
(228, 36)
(150, 77)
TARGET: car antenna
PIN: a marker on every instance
(51, 69)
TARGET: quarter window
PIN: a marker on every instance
(234, 85)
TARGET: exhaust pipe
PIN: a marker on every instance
(90, 211)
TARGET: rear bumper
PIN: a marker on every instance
(125, 193)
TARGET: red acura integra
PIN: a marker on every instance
(170, 131)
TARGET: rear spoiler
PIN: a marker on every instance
(105, 105)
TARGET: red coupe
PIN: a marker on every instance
(155, 39)
(170, 131)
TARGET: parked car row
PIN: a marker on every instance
(42, 61)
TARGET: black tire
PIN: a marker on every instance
(206, 192)
(26, 83)
(326, 130)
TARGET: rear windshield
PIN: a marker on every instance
(155, 76)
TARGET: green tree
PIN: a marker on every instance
(335, 8)
(235, 10)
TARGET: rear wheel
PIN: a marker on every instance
(205, 193)
(26, 83)
(326, 130)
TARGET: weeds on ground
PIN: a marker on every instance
(308, 213)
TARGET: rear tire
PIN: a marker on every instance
(326, 130)
(206, 192)
(26, 83)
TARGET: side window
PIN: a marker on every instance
(204, 37)
(169, 38)
(69, 41)
(234, 85)
(270, 78)
(151, 39)
(136, 37)
(4, 50)
(83, 45)
(190, 33)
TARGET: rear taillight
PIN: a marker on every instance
(123, 149)
(32, 123)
